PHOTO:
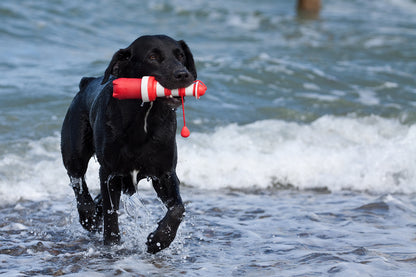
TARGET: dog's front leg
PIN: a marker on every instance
(167, 189)
(110, 192)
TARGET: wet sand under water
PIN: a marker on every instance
(225, 233)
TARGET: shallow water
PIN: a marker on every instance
(301, 159)
(228, 233)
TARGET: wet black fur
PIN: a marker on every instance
(128, 136)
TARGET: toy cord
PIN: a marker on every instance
(185, 131)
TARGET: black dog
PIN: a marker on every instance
(131, 140)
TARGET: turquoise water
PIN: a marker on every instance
(304, 141)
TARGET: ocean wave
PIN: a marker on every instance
(337, 153)
(370, 154)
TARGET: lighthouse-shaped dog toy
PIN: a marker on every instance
(148, 89)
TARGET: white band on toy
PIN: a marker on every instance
(144, 85)
(160, 91)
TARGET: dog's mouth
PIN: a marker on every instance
(172, 102)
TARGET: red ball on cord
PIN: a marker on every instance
(185, 132)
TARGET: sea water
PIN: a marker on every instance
(301, 159)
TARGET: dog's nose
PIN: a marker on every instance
(181, 74)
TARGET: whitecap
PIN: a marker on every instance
(364, 154)
(339, 153)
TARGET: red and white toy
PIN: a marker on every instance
(148, 89)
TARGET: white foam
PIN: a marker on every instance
(35, 172)
(365, 154)
(249, 22)
(368, 97)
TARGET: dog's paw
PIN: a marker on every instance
(89, 215)
(112, 239)
(166, 231)
(158, 241)
(88, 219)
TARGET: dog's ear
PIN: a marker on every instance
(120, 57)
(190, 64)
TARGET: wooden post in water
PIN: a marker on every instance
(308, 8)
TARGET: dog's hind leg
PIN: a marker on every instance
(167, 188)
(90, 211)
(77, 149)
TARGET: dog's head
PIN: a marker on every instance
(169, 61)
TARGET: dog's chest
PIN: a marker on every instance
(149, 158)
(144, 142)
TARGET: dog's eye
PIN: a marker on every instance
(154, 57)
